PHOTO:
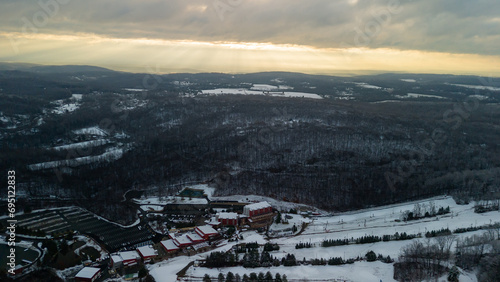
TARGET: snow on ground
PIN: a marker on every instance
(161, 201)
(416, 95)
(80, 145)
(366, 85)
(94, 130)
(478, 87)
(243, 91)
(408, 80)
(70, 105)
(264, 87)
(292, 219)
(132, 104)
(209, 191)
(379, 221)
(66, 108)
(152, 208)
(89, 242)
(111, 155)
(134, 89)
(166, 271)
(277, 204)
(386, 101)
(479, 97)
(361, 271)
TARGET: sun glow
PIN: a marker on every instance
(134, 54)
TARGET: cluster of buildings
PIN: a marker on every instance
(255, 215)
(196, 239)
(131, 258)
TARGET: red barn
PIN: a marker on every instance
(88, 274)
(228, 218)
(206, 231)
(257, 209)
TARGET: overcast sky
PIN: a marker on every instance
(315, 36)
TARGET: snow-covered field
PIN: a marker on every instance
(376, 221)
(94, 130)
(157, 201)
(366, 85)
(243, 91)
(416, 95)
(112, 155)
(478, 87)
(279, 205)
(66, 107)
(80, 145)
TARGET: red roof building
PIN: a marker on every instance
(206, 232)
(227, 218)
(129, 258)
(195, 238)
(257, 209)
(147, 253)
(182, 241)
(169, 246)
(88, 274)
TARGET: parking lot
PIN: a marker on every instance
(59, 221)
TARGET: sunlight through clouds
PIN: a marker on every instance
(187, 55)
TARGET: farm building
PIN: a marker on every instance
(227, 218)
(206, 232)
(88, 274)
(147, 253)
(169, 246)
(129, 258)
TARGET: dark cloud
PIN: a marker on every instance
(456, 26)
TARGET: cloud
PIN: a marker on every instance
(317, 36)
(456, 26)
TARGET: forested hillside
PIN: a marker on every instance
(333, 153)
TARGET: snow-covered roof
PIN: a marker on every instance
(129, 255)
(87, 272)
(194, 237)
(206, 229)
(169, 245)
(116, 258)
(227, 215)
(257, 206)
(182, 240)
(147, 251)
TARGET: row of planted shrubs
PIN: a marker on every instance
(367, 239)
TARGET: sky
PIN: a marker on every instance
(241, 36)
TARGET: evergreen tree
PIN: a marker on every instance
(269, 277)
(230, 277)
(453, 274)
